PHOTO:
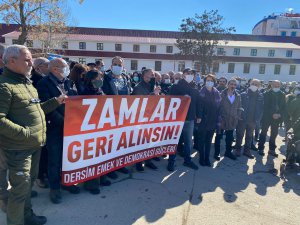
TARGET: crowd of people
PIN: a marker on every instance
(32, 96)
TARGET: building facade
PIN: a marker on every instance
(247, 56)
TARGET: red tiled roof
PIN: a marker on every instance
(4, 29)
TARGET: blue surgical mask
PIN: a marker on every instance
(276, 89)
(117, 70)
(198, 79)
(136, 79)
(209, 84)
(102, 69)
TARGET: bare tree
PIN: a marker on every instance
(200, 37)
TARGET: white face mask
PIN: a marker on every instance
(189, 78)
(176, 81)
(287, 90)
(167, 81)
(117, 70)
(66, 72)
(276, 89)
(209, 84)
(253, 88)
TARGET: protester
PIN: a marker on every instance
(22, 132)
(136, 78)
(252, 105)
(146, 87)
(177, 77)
(115, 82)
(210, 100)
(77, 76)
(230, 112)
(165, 83)
(100, 66)
(158, 78)
(184, 88)
(91, 66)
(222, 84)
(273, 114)
(54, 84)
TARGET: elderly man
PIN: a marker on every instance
(165, 83)
(158, 77)
(252, 104)
(22, 132)
(53, 85)
(40, 69)
(273, 114)
(100, 65)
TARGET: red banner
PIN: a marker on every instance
(105, 133)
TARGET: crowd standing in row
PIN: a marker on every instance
(32, 95)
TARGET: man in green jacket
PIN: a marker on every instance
(22, 132)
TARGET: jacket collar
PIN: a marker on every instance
(15, 76)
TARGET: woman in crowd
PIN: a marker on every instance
(210, 100)
(77, 76)
(136, 78)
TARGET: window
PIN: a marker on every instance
(15, 41)
(136, 48)
(293, 33)
(220, 51)
(289, 53)
(64, 45)
(181, 66)
(294, 24)
(271, 53)
(99, 46)
(277, 69)
(134, 64)
(231, 67)
(292, 70)
(216, 67)
(236, 51)
(82, 60)
(82, 45)
(283, 33)
(157, 65)
(152, 48)
(118, 47)
(262, 68)
(169, 49)
(29, 43)
(247, 68)
(253, 52)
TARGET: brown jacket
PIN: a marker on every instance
(230, 113)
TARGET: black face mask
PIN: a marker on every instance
(152, 83)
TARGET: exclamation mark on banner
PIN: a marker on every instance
(175, 136)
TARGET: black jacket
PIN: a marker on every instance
(274, 103)
(143, 88)
(109, 87)
(48, 88)
(184, 88)
(35, 77)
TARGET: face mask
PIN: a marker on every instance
(276, 89)
(167, 81)
(189, 78)
(97, 83)
(297, 92)
(102, 69)
(136, 79)
(198, 79)
(209, 84)
(253, 88)
(66, 72)
(287, 90)
(117, 70)
(176, 81)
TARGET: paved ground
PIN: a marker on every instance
(232, 192)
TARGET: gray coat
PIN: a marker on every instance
(230, 113)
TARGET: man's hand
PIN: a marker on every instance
(198, 120)
(157, 90)
(61, 99)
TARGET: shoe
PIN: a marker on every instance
(171, 167)
(55, 196)
(104, 181)
(261, 152)
(273, 153)
(151, 165)
(93, 191)
(34, 194)
(73, 189)
(42, 183)
(248, 154)
(139, 167)
(253, 147)
(123, 170)
(202, 163)
(208, 164)
(217, 157)
(230, 155)
(35, 220)
(157, 159)
(3, 205)
(237, 152)
(191, 165)
(112, 175)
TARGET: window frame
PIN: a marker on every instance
(134, 64)
(157, 65)
(116, 47)
(100, 46)
(82, 45)
(277, 69)
(253, 52)
(231, 67)
(259, 69)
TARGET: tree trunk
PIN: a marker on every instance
(24, 30)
